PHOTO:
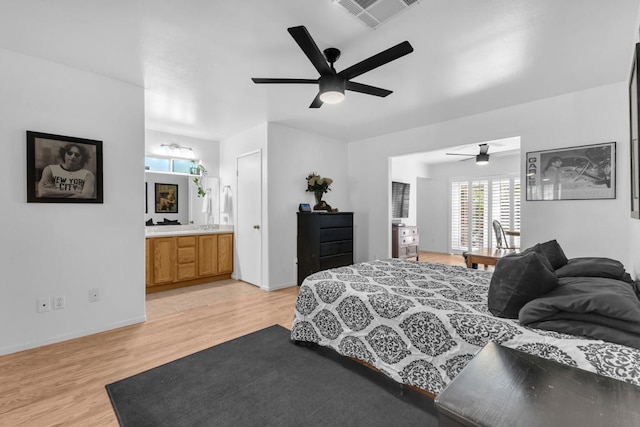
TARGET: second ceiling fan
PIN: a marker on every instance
(332, 84)
(482, 158)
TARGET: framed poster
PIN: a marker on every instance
(572, 173)
(63, 169)
(633, 121)
(166, 198)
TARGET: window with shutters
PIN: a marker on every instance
(475, 203)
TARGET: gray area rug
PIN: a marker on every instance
(264, 379)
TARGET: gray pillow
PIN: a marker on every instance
(518, 279)
(592, 267)
(552, 251)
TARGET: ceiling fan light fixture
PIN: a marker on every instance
(332, 97)
(332, 89)
(482, 159)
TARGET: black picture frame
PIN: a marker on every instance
(166, 200)
(634, 126)
(584, 172)
(62, 169)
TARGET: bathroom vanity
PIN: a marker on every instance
(184, 255)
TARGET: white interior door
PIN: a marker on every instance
(249, 218)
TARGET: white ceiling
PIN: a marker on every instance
(195, 58)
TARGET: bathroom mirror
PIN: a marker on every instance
(172, 198)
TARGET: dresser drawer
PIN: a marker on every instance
(334, 248)
(409, 240)
(336, 261)
(408, 231)
(333, 234)
(332, 221)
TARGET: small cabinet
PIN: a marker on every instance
(177, 261)
(405, 241)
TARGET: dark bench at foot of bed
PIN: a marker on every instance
(506, 387)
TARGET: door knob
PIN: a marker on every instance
(257, 227)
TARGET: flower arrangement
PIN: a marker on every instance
(318, 185)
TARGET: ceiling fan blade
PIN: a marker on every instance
(309, 47)
(316, 102)
(369, 90)
(459, 154)
(484, 148)
(377, 60)
(266, 80)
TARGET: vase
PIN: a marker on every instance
(320, 204)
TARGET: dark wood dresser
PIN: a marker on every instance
(325, 240)
(404, 241)
(506, 387)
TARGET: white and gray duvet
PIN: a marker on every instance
(421, 323)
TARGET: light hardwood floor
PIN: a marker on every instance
(64, 383)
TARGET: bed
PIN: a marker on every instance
(421, 323)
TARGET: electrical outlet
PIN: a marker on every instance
(94, 295)
(44, 304)
(58, 302)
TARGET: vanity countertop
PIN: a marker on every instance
(185, 230)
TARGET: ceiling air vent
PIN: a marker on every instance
(374, 12)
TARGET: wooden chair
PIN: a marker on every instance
(501, 237)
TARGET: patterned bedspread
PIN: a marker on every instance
(421, 323)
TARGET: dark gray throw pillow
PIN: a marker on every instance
(552, 251)
(592, 267)
(518, 279)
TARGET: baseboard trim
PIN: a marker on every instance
(65, 337)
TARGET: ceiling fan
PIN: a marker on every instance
(332, 84)
(482, 158)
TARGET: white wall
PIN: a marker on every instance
(433, 195)
(582, 227)
(293, 155)
(60, 249)
(288, 156)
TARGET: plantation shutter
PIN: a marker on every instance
(474, 206)
(459, 215)
(480, 214)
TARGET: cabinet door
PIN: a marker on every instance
(207, 255)
(225, 253)
(164, 260)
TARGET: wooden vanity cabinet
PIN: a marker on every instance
(177, 261)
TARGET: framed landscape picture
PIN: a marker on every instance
(63, 169)
(166, 198)
(572, 173)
